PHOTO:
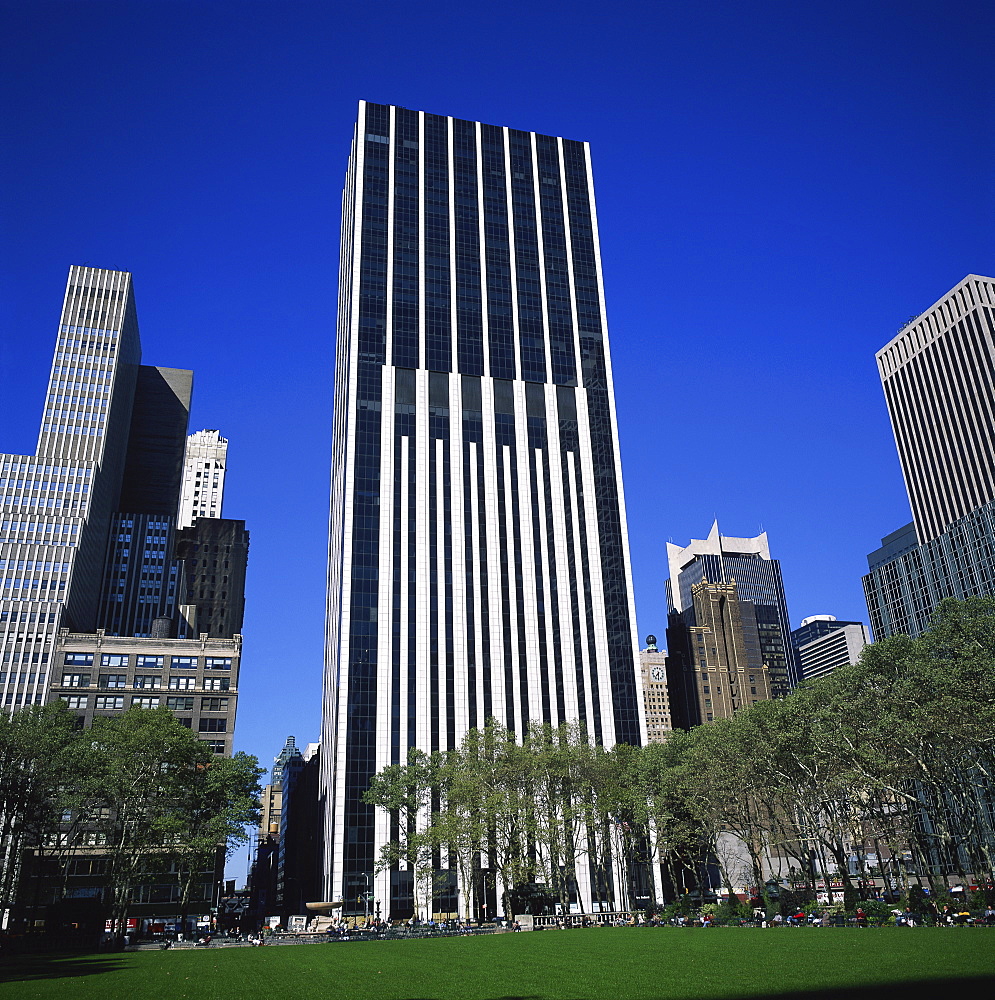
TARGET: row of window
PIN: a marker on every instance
(149, 662)
(121, 681)
(115, 703)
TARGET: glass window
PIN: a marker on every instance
(216, 683)
(180, 704)
(148, 681)
(76, 680)
(213, 726)
(113, 660)
(182, 683)
(214, 704)
(108, 702)
(75, 700)
(217, 746)
(183, 662)
(144, 702)
(148, 662)
(80, 659)
(112, 680)
(217, 663)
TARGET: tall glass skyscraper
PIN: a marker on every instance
(478, 560)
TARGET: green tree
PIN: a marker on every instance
(41, 757)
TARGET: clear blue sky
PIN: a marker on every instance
(780, 186)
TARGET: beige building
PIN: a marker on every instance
(716, 663)
(196, 679)
(653, 670)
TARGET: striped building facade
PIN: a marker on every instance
(938, 376)
(478, 559)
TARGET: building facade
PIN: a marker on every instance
(747, 563)
(938, 376)
(196, 679)
(715, 661)
(822, 643)
(478, 560)
(204, 465)
(56, 506)
(653, 672)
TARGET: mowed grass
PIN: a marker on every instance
(613, 964)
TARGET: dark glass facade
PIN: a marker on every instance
(478, 561)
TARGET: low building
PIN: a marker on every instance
(196, 679)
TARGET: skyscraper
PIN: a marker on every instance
(938, 376)
(478, 561)
(57, 504)
(91, 590)
(747, 563)
(205, 462)
(822, 643)
(715, 660)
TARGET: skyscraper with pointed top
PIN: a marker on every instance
(478, 559)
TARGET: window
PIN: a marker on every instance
(216, 683)
(188, 722)
(214, 704)
(112, 680)
(217, 746)
(182, 683)
(144, 702)
(76, 680)
(183, 662)
(80, 659)
(180, 704)
(217, 663)
(75, 700)
(213, 726)
(148, 662)
(108, 703)
(148, 681)
(113, 660)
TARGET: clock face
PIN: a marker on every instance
(657, 673)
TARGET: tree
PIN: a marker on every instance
(208, 815)
(41, 755)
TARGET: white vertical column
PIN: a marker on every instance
(482, 239)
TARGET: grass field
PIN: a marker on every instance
(648, 964)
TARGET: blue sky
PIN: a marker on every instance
(780, 187)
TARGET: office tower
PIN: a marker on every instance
(822, 643)
(653, 672)
(747, 563)
(715, 659)
(938, 377)
(204, 466)
(298, 869)
(57, 504)
(478, 562)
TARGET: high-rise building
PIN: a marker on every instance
(91, 591)
(715, 660)
(653, 670)
(88, 526)
(747, 563)
(938, 376)
(57, 504)
(204, 465)
(478, 562)
(822, 643)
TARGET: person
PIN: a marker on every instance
(861, 917)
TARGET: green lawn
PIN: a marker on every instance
(552, 965)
